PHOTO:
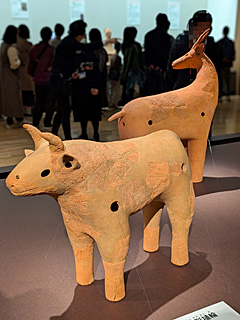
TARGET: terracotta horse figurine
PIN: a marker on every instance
(187, 111)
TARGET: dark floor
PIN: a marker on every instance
(37, 277)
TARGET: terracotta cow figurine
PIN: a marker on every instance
(187, 111)
(98, 186)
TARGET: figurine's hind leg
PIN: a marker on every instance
(180, 209)
(152, 215)
(83, 254)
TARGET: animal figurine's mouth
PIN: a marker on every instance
(18, 193)
(176, 65)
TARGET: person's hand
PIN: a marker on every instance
(94, 91)
(75, 75)
(111, 40)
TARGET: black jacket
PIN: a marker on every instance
(65, 61)
(157, 45)
(184, 77)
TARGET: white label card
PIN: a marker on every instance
(218, 311)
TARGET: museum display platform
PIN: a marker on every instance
(37, 275)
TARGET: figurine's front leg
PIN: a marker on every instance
(114, 280)
(114, 251)
(83, 255)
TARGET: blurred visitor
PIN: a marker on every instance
(12, 106)
(39, 67)
(58, 30)
(157, 46)
(132, 76)
(227, 56)
(27, 86)
(200, 21)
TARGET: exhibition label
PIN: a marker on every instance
(218, 311)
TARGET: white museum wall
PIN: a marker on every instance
(224, 13)
(113, 14)
(100, 14)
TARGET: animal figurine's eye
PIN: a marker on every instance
(45, 173)
(68, 164)
(150, 122)
(67, 161)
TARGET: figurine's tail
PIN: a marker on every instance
(117, 115)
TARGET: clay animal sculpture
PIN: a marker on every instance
(187, 111)
(98, 186)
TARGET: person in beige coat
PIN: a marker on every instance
(27, 86)
(10, 88)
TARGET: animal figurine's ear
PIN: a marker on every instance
(200, 48)
(68, 161)
(201, 38)
(28, 152)
(35, 134)
(55, 143)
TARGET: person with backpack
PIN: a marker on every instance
(39, 67)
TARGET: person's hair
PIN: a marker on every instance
(59, 29)
(129, 35)
(162, 21)
(95, 36)
(10, 35)
(225, 31)
(23, 31)
(77, 28)
(201, 16)
(46, 34)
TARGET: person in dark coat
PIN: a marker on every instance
(102, 56)
(86, 100)
(65, 69)
(131, 73)
(200, 21)
(227, 56)
(157, 45)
